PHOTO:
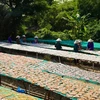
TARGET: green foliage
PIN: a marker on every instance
(47, 34)
(30, 34)
(50, 19)
(13, 11)
(5, 24)
(89, 6)
(94, 30)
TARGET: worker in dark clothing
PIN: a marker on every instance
(58, 44)
(18, 39)
(36, 39)
(23, 38)
(77, 45)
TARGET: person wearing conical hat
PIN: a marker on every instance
(23, 38)
(90, 45)
(58, 44)
(36, 39)
(77, 45)
(18, 39)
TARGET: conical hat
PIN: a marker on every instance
(36, 37)
(79, 40)
(76, 41)
(17, 36)
(23, 36)
(58, 39)
(90, 40)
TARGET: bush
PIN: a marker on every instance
(29, 35)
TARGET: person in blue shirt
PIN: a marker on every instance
(90, 45)
(9, 39)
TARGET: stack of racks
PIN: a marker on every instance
(64, 86)
(59, 53)
(13, 64)
(32, 70)
(67, 70)
(48, 46)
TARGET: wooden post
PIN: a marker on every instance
(26, 53)
(47, 95)
(29, 89)
(25, 87)
(93, 65)
(60, 97)
(36, 55)
(59, 59)
(0, 79)
(45, 98)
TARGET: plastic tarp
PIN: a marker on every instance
(8, 94)
(69, 43)
(66, 43)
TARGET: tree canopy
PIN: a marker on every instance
(50, 19)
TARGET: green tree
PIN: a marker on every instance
(89, 6)
(19, 8)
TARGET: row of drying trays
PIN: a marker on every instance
(41, 73)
